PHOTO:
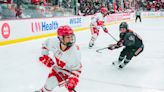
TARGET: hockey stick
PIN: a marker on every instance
(99, 50)
(110, 34)
(66, 81)
(112, 37)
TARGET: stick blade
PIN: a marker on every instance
(98, 51)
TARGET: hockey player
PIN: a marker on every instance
(64, 59)
(97, 23)
(132, 43)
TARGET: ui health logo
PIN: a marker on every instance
(44, 26)
(5, 30)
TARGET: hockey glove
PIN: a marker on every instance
(46, 60)
(72, 82)
(120, 43)
(105, 29)
(113, 46)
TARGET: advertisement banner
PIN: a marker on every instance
(153, 14)
(118, 17)
(15, 29)
(26, 28)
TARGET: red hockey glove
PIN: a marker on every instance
(105, 29)
(46, 60)
(72, 82)
(100, 23)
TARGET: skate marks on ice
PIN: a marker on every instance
(116, 87)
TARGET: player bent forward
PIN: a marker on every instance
(132, 43)
(65, 61)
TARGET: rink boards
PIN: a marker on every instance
(14, 31)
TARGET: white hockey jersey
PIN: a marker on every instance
(65, 61)
(97, 17)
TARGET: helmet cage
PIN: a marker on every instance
(65, 31)
(123, 25)
(68, 44)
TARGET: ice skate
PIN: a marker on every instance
(91, 45)
(122, 65)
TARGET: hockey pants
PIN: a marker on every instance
(128, 52)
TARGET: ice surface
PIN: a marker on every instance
(21, 72)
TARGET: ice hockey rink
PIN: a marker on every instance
(20, 70)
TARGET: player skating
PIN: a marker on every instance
(65, 60)
(97, 23)
(132, 43)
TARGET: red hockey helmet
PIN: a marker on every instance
(64, 30)
(103, 10)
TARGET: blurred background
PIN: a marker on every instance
(13, 9)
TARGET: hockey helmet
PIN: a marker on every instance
(63, 31)
(103, 10)
(124, 25)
